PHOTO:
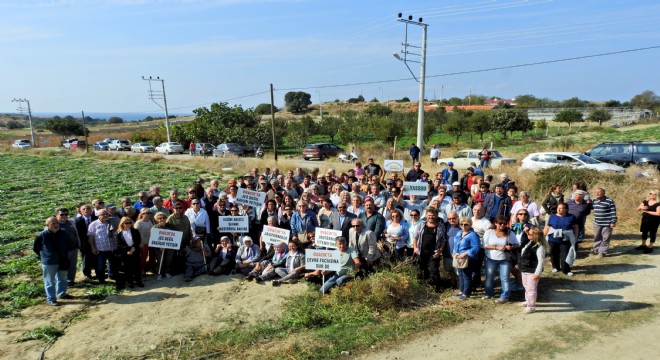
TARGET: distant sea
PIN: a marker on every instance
(129, 116)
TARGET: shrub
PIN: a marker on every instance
(566, 176)
(263, 109)
(563, 143)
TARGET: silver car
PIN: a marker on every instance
(142, 147)
(169, 148)
(544, 160)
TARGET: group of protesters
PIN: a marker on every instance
(465, 226)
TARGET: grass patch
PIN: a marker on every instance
(45, 333)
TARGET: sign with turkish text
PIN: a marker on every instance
(322, 260)
(415, 188)
(165, 239)
(393, 165)
(326, 237)
(274, 235)
(233, 224)
(250, 197)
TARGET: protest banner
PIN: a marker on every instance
(274, 235)
(322, 260)
(233, 224)
(250, 197)
(415, 188)
(165, 239)
(393, 165)
(326, 237)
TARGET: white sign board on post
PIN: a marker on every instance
(233, 224)
(393, 165)
(415, 188)
(250, 197)
(326, 237)
(274, 235)
(322, 260)
(165, 239)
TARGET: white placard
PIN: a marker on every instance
(393, 165)
(233, 224)
(415, 188)
(322, 260)
(250, 197)
(326, 237)
(165, 239)
(274, 235)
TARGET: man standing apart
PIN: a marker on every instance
(604, 222)
(435, 154)
(50, 245)
(414, 153)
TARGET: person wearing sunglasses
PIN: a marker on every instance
(466, 245)
(498, 243)
(128, 248)
(530, 207)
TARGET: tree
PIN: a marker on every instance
(455, 101)
(13, 124)
(356, 100)
(115, 120)
(297, 101)
(263, 109)
(455, 124)
(378, 110)
(403, 99)
(474, 99)
(612, 103)
(64, 127)
(222, 124)
(569, 116)
(646, 100)
(527, 101)
(374, 100)
(300, 131)
(433, 121)
(575, 103)
(148, 118)
(385, 129)
(510, 120)
(353, 128)
(329, 126)
(600, 116)
(480, 123)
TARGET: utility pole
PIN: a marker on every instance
(85, 132)
(422, 70)
(158, 95)
(320, 105)
(272, 120)
(20, 109)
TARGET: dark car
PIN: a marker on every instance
(627, 153)
(101, 146)
(206, 147)
(321, 151)
(223, 150)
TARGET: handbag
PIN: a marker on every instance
(459, 263)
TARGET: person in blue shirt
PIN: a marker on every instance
(466, 245)
(303, 222)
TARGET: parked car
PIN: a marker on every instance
(463, 158)
(626, 153)
(109, 140)
(142, 147)
(170, 148)
(321, 151)
(67, 143)
(223, 150)
(78, 144)
(543, 160)
(22, 144)
(119, 145)
(101, 146)
(200, 146)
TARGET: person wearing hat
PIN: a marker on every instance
(247, 256)
(449, 174)
(456, 189)
(580, 208)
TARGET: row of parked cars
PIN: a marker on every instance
(167, 148)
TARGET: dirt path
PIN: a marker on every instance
(609, 287)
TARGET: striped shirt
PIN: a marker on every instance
(604, 212)
(102, 239)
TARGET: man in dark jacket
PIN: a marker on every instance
(51, 247)
(62, 216)
(82, 223)
(341, 219)
(414, 153)
(497, 204)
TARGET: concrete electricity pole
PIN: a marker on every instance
(158, 95)
(422, 71)
(20, 109)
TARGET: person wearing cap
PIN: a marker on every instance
(449, 175)
(456, 189)
(580, 208)
(179, 221)
(459, 206)
(415, 173)
(247, 256)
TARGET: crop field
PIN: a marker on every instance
(32, 187)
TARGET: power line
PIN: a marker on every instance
(480, 70)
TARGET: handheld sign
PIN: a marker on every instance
(322, 260)
(393, 165)
(274, 235)
(326, 237)
(233, 224)
(415, 188)
(250, 197)
(165, 239)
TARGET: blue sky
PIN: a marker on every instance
(73, 55)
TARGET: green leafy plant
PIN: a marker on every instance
(46, 333)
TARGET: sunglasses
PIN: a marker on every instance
(502, 224)
(128, 223)
(195, 203)
(178, 208)
(64, 214)
(452, 218)
(414, 215)
(519, 214)
(356, 226)
(466, 224)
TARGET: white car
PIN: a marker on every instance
(463, 158)
(142, 147)
(544, 160)
(119, 145)
(22, 144)
(170, 148)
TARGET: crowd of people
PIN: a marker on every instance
(473, 227)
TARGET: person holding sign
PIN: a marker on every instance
(349, 261)
(179, 222)
(163, 256)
